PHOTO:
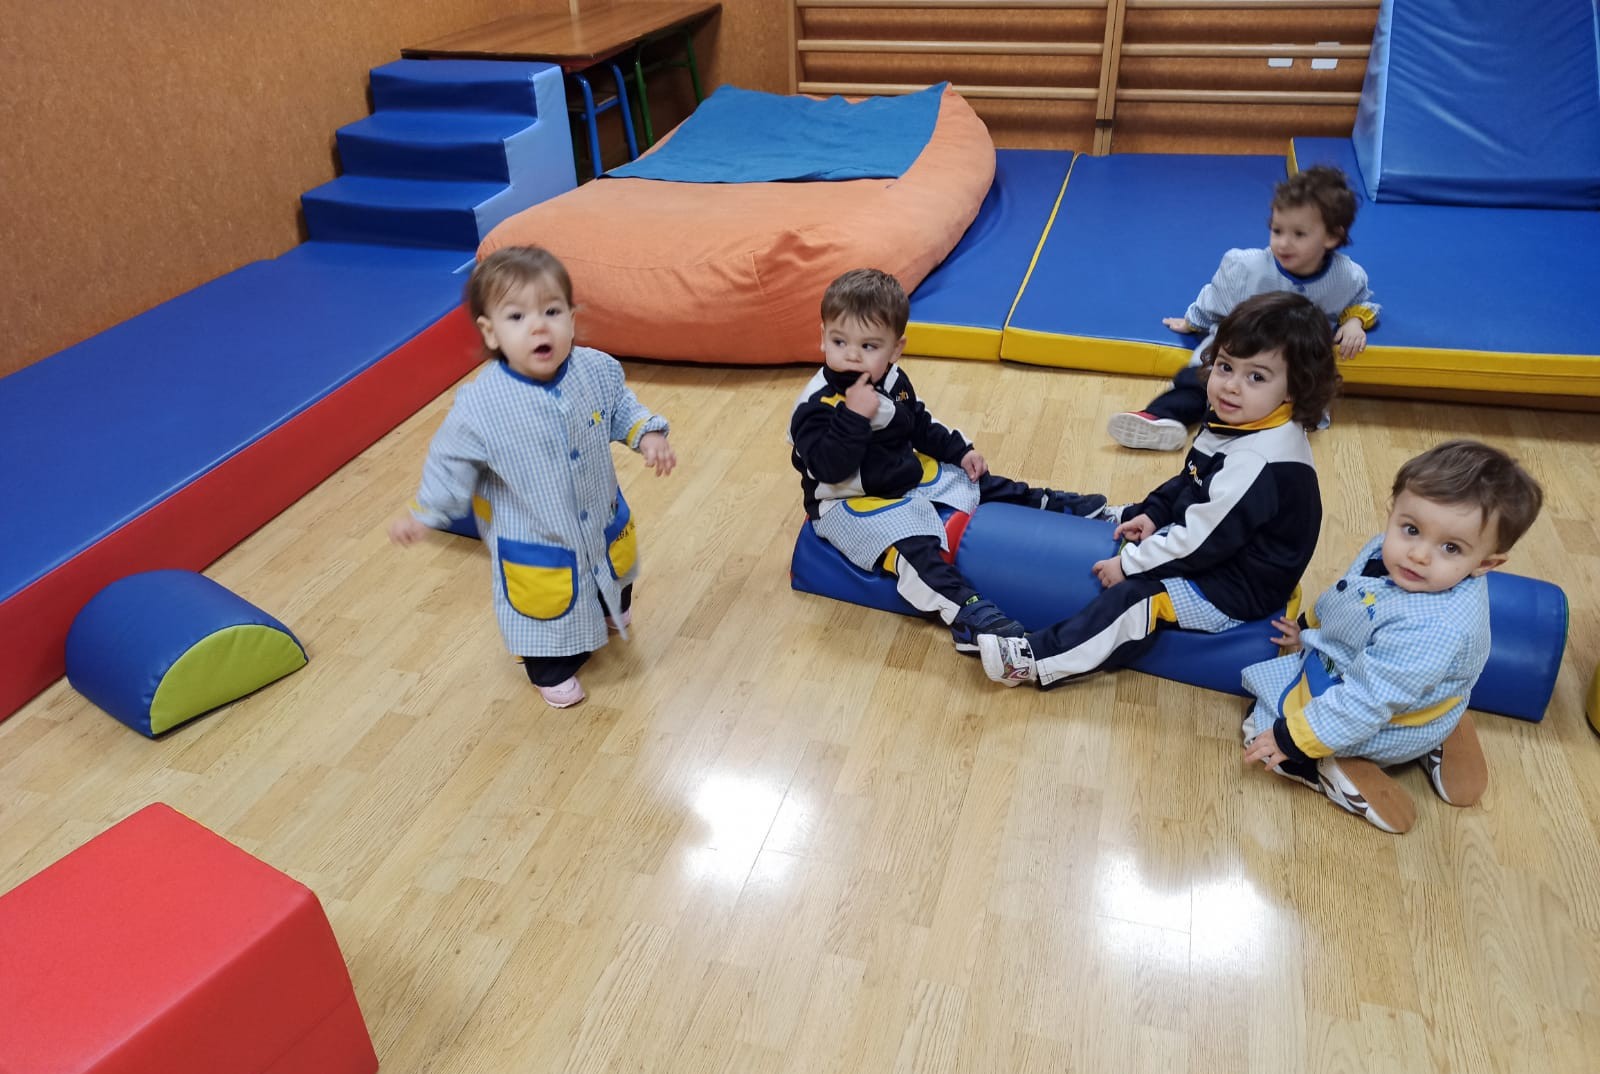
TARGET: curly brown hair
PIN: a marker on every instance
(1326, 188)
(1290, 322)
(1473, 473)
(870, 296)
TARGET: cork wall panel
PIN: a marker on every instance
(151, 147)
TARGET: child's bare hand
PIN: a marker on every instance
(1288, 638)
(974, 464)
(1351, 338)
(1179, 324)
(658, 453)
(862, 397)
(1109, 571)
(1135, 529)
(407, 530)
(1263, 749)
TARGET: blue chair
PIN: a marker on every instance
(588, 110)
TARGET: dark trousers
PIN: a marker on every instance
(1112, 630)
(555, 670)
(1185, 401)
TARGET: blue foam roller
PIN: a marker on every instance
(818, 567)
(1527, 635)
(1035, 566)
(158, 648)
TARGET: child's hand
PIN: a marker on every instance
(1109, 571)
(1264, 748)
(407, 530)
(1179, 324)
(1135, 529)
(862, 397)
(1351, 338)
(658, 454)
(974, 464)
(1288, 638)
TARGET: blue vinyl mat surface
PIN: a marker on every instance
(124, 419)
(975, 286)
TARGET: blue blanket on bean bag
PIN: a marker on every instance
(744, 136)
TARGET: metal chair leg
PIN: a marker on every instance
(593, 131)
(627, 113)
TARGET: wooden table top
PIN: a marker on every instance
(574, 41)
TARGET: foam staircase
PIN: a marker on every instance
(452, 148)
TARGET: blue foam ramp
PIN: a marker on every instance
(1483, 102)
(1135, 238)
(1513, 282)
(961, 307)
(129, 416)
(453, 148)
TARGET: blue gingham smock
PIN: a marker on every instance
(532, 459)
(1384, 674)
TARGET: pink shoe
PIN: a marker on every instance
(563, 695)
(623, 621)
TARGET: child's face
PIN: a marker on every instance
(1300, 240)
(1244, 390)
(532, 326)
(1429, 547)
(853, 346)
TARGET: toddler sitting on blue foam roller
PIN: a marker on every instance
(1381, 673)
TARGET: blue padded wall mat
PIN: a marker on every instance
(1136, 237)
(1465, 278)
(1483, 102)
(125, 418)
(975, 286)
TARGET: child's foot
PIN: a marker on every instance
(1358, 786)
(620, 622)
(1456, 768)
(563, 695)
(1007, 660)
(1142, 429)
(1072, 503)
(980, 616)
(1302, 772)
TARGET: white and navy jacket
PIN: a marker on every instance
(1240, 522)
(840, 454)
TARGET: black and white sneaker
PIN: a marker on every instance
(981, 616)
(1007, 660)
(1358, 786)
(1072, 503)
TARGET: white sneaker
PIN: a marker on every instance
(1142, 430)
(1358, 786)
(1008, 661)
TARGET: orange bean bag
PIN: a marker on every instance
(734, 273)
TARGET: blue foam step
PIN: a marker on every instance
(465, 85)
(430, 145)
(398, 212)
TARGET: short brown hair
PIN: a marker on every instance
(1469, 472)
(869, 296)
(1284, 319)
(1327, 189)
(511, 267)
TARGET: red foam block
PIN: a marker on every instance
(158, 947)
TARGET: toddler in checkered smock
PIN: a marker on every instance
(1381, 673)
(526, 448)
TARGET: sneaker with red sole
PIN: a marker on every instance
(1144, 431)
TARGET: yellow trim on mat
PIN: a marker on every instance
(953, 341)
(1038, 247)
(1090, 352)
(1402, 367)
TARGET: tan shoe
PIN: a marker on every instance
(1358, 786)
(1456, 768)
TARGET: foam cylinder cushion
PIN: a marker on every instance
(158, 648)
(1035, 566)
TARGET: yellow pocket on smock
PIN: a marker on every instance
(622, 540)
(541, 580)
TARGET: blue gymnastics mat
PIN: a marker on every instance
(1134, 239)
(1474, 299)
(1480, 299)
(125, 418)
(962, 306)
